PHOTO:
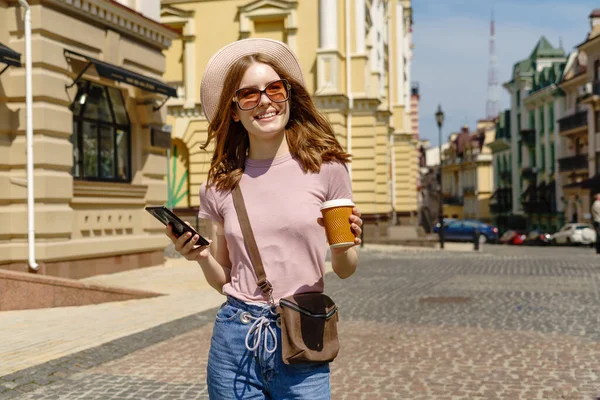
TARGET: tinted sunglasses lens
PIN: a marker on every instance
(277, 91)
(248, 98)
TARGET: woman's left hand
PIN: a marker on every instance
(356, 226)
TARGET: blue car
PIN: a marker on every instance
(461, 230)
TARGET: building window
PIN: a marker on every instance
(551, 117)
(101, 134)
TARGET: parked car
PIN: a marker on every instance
(537, 238)
(575, 233)
(512, 237)
(461, 230)
(446, 222)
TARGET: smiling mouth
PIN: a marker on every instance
(266, 115)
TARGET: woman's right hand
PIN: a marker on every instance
(188, 250)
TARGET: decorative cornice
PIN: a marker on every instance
(267, 9)
(499, 145)
(574, 81)
(181, 111)
(366, 105)
(120, 18)
(383, 116)
(541, 95)
(338, 102)
(169, 10)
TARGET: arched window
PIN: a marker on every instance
(101, 134)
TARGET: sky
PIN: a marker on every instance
(451, 55)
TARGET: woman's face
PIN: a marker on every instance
(269, 118)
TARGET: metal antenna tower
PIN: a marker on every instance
(493, 98)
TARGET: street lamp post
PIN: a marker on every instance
(439, 118)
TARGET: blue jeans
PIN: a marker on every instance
(235, 372)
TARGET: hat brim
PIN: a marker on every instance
(218, 67)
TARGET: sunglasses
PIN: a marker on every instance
(249, 98)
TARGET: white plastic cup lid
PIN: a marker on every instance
(337, 203)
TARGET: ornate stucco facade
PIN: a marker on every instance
(355, 55)
(467, 173)
(589, 98)
(536, 104)
(95, 167)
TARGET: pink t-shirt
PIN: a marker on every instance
(283, 206)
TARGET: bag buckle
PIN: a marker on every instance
(266, 287)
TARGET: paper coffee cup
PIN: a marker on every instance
(336, 218)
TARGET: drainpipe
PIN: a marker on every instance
(29, 138)
(348, 86)
(388, 20)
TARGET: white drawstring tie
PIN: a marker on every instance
(257, 330)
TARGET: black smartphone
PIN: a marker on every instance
(164, 215)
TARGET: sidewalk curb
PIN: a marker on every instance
(36, 377)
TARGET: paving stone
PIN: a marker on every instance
(413, 325)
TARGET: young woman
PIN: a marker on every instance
(271, 140)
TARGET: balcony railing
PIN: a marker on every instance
(501, 201)
(572, 163)
(529, 172)
(501, 208)
(573, 121)
(468, 189)
(505, 175)
(528, 136)
(453, 200)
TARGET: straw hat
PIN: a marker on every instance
(218, 66)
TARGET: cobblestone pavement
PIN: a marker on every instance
(415, 324)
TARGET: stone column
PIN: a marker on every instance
(328, 56)
(190, 71)
(400, 45)
(514, 148)
(538, 143)
(559, 149)
(548, 153)
(360, 27)
(328, 14)
(591, 141)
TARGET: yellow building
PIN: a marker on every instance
(467, 173)
(357, 71)
(95, 70)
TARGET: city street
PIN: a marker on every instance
(504, 323)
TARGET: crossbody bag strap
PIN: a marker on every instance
(261, 276)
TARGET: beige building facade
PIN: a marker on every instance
(354, 66)
(573, 164)
(97, 136)
(467, 173)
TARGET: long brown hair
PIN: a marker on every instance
(309, 135)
